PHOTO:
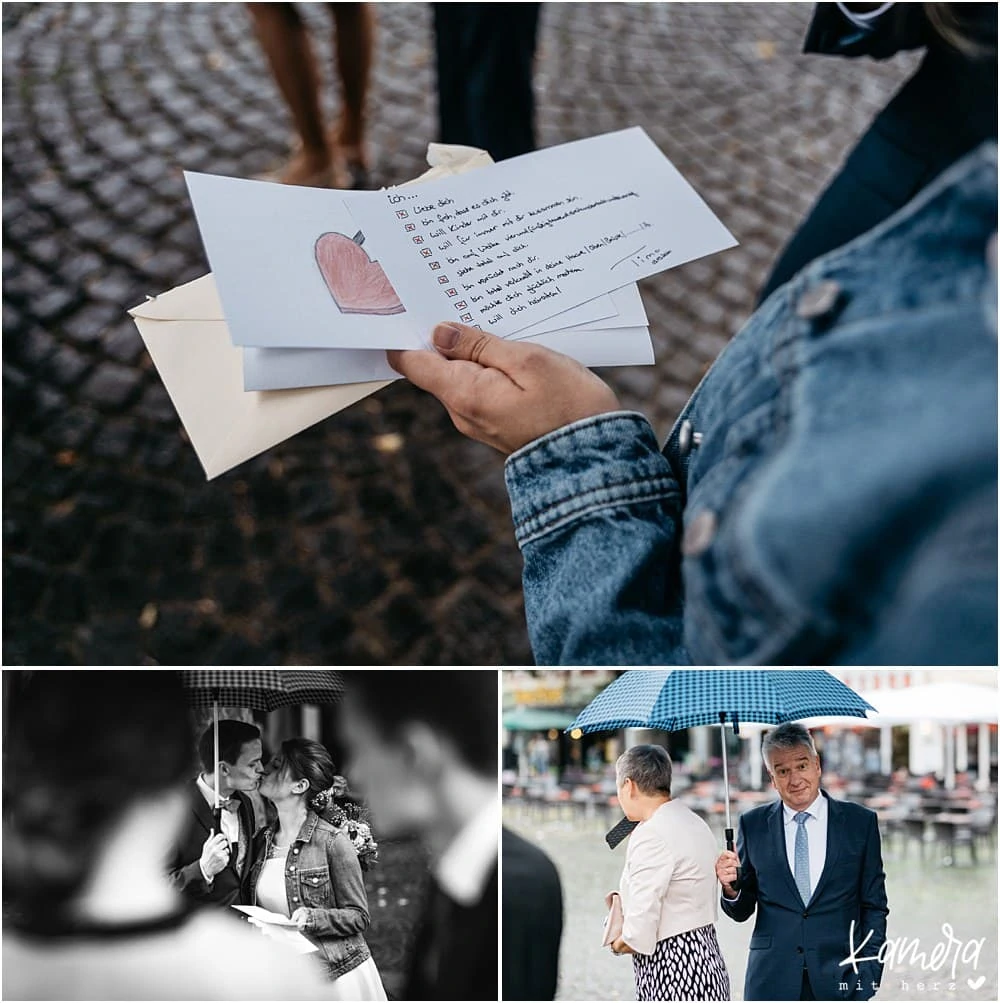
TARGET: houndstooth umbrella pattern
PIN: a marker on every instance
(674, 699)
(260, 689)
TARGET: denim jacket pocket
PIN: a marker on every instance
(315, 884)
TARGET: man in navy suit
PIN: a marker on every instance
(212, 856)
(811, 869)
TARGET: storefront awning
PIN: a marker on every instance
(536, 719)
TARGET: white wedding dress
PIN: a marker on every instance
(361, 983)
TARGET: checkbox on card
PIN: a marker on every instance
(410, 227)
(402, 214)
(418, 240)
(443, 280)
(426, 252)
(435, 265)
(467, 318)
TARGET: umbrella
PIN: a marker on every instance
(257, 689)
(675, 699)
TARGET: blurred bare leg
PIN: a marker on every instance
(285, 42)
(354, 45)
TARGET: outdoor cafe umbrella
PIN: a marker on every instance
(257, 689)
(675, 699)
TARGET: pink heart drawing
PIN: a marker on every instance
(357, 284)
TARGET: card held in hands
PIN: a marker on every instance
(504, 248)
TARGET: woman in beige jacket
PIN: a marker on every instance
(668, 888)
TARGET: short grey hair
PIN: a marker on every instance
(789, 735)
(648, 767)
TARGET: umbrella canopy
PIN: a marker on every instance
(535, 719)
(675, 699)
(257, 689)
(261, 689)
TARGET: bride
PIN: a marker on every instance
(308, 869)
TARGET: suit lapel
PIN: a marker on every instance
(834, 840)
(776, 827)
(201, 809)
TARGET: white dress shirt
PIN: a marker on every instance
(465, 867)
(816, 826)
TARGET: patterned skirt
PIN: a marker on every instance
(688, 966)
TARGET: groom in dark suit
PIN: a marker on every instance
(212, 856)
(811, 870)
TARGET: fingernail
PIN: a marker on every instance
(446, 336)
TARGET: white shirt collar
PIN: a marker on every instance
(208, 792)
(817, 809)
(465, 867)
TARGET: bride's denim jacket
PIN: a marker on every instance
(323, 874)
(828, 494)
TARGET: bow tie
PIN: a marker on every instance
(231, 804)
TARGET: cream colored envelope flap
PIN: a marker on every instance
(186, 335)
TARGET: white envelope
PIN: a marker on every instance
(203, 373)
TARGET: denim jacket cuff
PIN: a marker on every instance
(606, 461)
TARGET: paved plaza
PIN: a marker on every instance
(923, 893)
(381, 535)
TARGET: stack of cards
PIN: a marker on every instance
(313, 285)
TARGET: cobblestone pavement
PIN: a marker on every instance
(327, 549)
(923, 896)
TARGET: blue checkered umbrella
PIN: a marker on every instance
(675, 699)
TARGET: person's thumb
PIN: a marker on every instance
(458, 341)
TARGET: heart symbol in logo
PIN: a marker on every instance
(357, 284)
(975, 984)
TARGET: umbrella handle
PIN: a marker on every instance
(731, 847)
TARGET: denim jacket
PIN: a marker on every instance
(323, 874)
(829, 493)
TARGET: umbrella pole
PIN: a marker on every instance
(725, 779)
(215, 733)
(730, 840)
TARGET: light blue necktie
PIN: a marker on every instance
(802, 857)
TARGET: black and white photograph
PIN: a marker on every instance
(250, 834)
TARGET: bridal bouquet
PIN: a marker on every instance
(347, 818)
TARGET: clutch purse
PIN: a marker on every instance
(615, 919)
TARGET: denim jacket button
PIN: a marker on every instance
(699, 534)
(687, 439)
(818, 300)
